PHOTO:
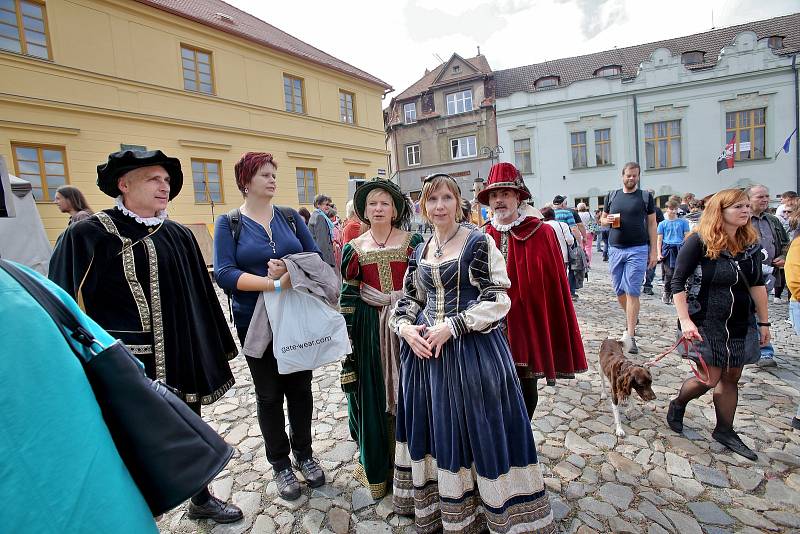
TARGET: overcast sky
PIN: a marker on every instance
(397, 40)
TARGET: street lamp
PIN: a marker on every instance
(492, 152)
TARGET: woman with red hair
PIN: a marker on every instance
(247, 265)
(717, 288)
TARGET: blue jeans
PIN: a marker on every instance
(794, 315)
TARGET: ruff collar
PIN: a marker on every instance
(147, 221)
(507, 227)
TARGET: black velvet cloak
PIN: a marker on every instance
(149, 287)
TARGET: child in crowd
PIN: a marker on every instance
(671, 233)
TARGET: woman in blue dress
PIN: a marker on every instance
(465, 459)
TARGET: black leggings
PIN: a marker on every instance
(530, 394)
(271, 388)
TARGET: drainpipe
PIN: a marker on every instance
(636, 126)
(796, 124)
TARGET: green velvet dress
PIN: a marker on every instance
(369, 277)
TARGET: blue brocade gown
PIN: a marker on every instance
(465, 459)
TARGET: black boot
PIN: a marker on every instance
(675, 416)
(731, 439)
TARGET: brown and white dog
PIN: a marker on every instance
(624, 376)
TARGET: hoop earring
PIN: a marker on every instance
(246, 190)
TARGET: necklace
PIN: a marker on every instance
(439, 247)
(381, 245)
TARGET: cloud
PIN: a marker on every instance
(598, 15)
(478, 23)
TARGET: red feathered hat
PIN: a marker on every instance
(503, 176)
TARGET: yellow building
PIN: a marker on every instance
(200, 80)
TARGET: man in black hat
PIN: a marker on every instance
(142, 277)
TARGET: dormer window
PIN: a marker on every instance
(546, 82)
(608, 70)
(775, 41)
(692, 58)
(456, 69)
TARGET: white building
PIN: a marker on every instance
(571, 124)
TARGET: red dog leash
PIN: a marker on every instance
(686, 344)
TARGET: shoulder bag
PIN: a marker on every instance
(170, 452)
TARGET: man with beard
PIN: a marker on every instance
(142, 278)
(631, 214)
(541, 327)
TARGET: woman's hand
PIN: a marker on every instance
(689, 330)
(413, 334)
(276, 269)
(764, 336)
(437, 336)
(286, 281)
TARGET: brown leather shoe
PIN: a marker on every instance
(215, 510)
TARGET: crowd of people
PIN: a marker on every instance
(450, 329)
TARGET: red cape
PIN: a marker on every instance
(542, 328)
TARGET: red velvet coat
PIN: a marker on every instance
(542, 328)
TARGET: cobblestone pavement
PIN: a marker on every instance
(652, 480)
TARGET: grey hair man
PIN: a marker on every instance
(321, 228)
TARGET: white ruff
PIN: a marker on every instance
(147, 221)
(507, 227)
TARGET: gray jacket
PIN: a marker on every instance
(308, 272)
(322, 237)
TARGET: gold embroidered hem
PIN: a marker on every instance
(208, 399)
(348, 378)
(378, 491)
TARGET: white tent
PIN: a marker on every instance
(22, 237)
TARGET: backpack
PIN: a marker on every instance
(235, 224)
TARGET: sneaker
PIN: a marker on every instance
(777, 300)
(767, 362)
(312, 472)
(647, 290)
(288, 485)
(675, 417)
(631, 342)
(574, 297)
(796, 423)
(665, 298)
(731, 439)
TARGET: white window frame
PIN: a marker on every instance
(464, 147)
(412, 154)
(522, 156)
(410, 109)
(457, 102)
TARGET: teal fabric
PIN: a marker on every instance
(59, 469)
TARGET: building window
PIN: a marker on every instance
(601, 201)
(547, 81)
(775, 41)
(577, 141)
(662, 144)
(135, 148)
(522, 155)
(306, 185)
(197, 74)
(410, 113)
(23, 28)
(358, 176)
(747, 127)
(692, 58)
(459, 102)
(578, 200)
(602, 147)
(293, 94)
(463, 147)
(207, 181)
(608, 70)
(45, 167)
(346, 112)
(412, 155)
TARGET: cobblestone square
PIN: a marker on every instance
(652, 480)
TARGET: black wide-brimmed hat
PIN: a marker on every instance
(400, 201)
(126, 160)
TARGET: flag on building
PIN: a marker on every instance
(786, 144)
(725, 160)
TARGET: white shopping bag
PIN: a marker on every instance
(306, 332)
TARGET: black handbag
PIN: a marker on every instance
(170, 452)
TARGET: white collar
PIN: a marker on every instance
(147, 221)
(507, 227)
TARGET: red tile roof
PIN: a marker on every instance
(237, 22)
(577, 68)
